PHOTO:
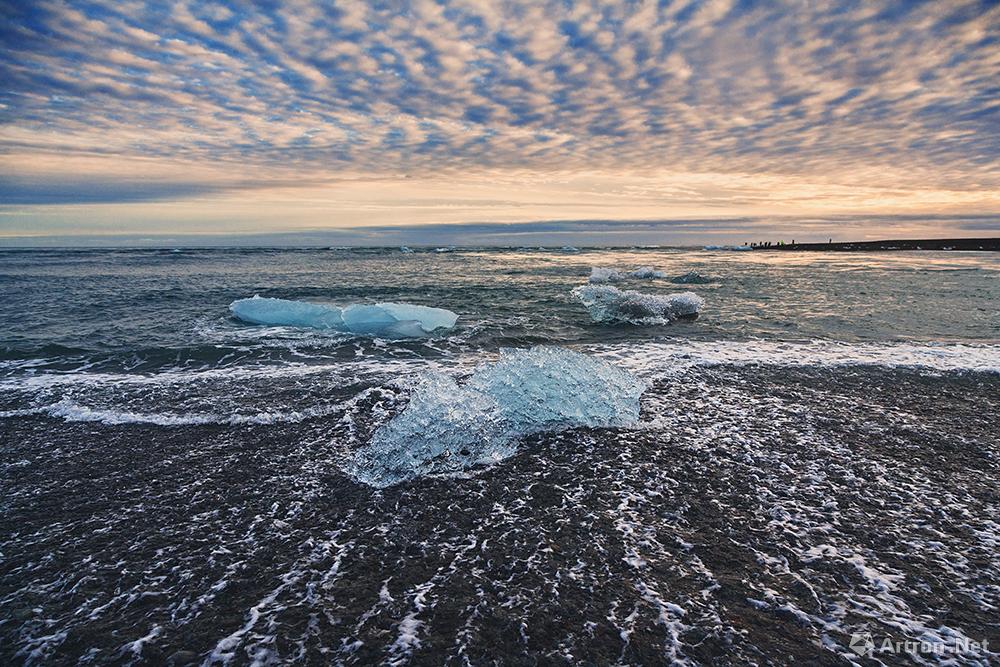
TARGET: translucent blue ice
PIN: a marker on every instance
(610, 304)
(283, 312)
(395, 320)
(449, 427)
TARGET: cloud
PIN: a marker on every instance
(887, 106)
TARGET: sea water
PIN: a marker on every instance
(813, 456)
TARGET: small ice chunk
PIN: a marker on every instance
(728, 247)
(646, 273)
(610, 304)
(449, 427)
(691, 278)
(601, 274)
(392, 320)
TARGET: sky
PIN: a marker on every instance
(436, 121)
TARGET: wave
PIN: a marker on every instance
(71, 411)
(677, 356)
(291, 393)
(674, 354)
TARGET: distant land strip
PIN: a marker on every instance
(991, 244)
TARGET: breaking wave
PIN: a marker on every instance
(72, 411)
(672, 357)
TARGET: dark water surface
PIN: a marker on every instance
(816, 457)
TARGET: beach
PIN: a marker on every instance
(813, 459)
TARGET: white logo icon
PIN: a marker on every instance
(862, 643)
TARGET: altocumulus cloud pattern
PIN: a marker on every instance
(301, 92)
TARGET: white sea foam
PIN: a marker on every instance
(73, 411)
(117, 399)
(675, 356)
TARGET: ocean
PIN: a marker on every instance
(808, 466)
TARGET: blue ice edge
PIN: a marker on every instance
(392, 320)
(610, 304)
(450, 427)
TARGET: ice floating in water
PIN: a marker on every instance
(394, 320)
(602, 274)
(646, 273)
(449, 427)
(610, 304)
(691, 278)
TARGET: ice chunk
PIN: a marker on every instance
(393, 320)
(449, 427)
(610, 304)
(601, 274)
(728, 247)
(691, 278)
(260, 310)
(646, 273)
(445, 428)
(399, 317)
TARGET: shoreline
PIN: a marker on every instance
(983, 244)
